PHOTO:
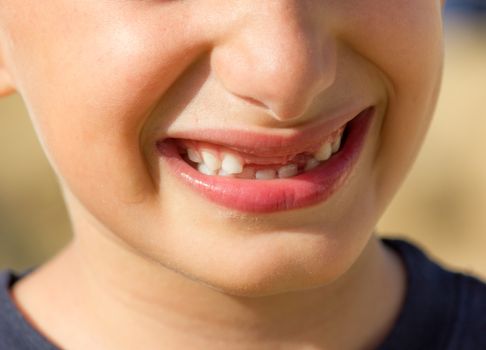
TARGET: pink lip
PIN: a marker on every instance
(284, 143)
(266, 196)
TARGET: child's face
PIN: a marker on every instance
(107, 80)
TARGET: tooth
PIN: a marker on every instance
(202, 167)
(336, 144)
(265, 174)
(288, 171)
(211, 160)
(311, 164)
(324, 153)
(194, 155)
(232, 164)
(223, 172)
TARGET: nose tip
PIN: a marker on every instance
(291, 91)
(279, 63)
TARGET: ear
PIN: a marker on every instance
(6, 83)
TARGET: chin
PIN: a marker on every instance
(280, 266)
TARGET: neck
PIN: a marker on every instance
(141, 303)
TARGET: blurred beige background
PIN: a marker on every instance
(441, 205)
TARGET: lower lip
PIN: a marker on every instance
(267, 196)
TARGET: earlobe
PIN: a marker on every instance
(6, 85)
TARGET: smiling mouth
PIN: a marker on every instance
(217, 160)
(266, 174)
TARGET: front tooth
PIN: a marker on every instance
(265, 174)
(203, 168)
(288, 171)
(232, 164)
(311, 164)
(336, 144)
(324, 153)
(223, 172)
(194, 155)
(211, 160)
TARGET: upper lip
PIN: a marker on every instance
(269, 143)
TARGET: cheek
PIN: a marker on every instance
(90, 90)
(415, 78)
(403, 38)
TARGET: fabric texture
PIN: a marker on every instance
(442, 310)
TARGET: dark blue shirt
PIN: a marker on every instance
(442, 310)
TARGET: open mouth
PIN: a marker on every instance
(216, 160)
(262, 177)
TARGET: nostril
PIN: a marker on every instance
(281, 115)
(253, 101)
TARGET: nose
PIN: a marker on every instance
(278, 57)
